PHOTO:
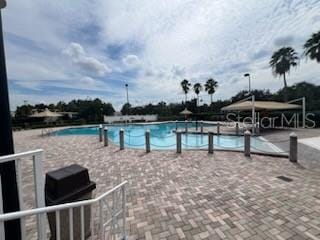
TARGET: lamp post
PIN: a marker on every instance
(248, 75)
(7, 170)
(127, 93)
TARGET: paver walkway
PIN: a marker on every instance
(194, 195)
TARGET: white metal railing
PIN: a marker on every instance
(107, 217)
(37, 157)
(106, 213)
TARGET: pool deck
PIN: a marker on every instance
(308, 156)
(195, 195)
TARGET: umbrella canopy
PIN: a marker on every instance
(260, 105)
(186, 112)
(46, 114)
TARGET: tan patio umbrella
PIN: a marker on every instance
(186, 112)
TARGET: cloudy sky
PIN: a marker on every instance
(66, 49)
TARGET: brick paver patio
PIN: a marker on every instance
(195, 195)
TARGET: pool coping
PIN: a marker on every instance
(279, 155)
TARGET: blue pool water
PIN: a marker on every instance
(162, 136)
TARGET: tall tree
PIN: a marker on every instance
(281, 62)
(197, 88)
(210, 87)
(312, 47)
(185, 85)
(126, 108)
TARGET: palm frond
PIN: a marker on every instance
(282, 60)
(312, 47)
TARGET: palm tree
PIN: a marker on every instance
(210, 87)
(197, 87)
(185, 87)
(281, 62)
(312, 47)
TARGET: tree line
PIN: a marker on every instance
(210, 87)
(302, 89)
(90, 110)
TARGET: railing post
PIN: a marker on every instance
(247, 138)
(257, 128)
(186, 123)
(218, 128)
(201, 126)
(178, 135)
(121, 135)
(38, 160)
(176, 125)
(39, 186)
(210, 142)
(113, 211)
(105, 134)
(293, 154)
(148, 141)
(101, 220)
(124, 233)
(100, 133)
(2, 235)
(237, 128)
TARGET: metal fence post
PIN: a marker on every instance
(148, 141)
(237, 128)
(247, 138)
(218, 128)
(186, 122)
(100, 133)
(105, 136)
(210, 142)
(121, 135)
(178, 135)
(257, 128)
(293, 154)
(176, 125)
(201, 126)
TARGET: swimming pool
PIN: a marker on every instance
(162, 137)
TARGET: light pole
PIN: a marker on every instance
(248, 75)
(7, 170)
(127, 93)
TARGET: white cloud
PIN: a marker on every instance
(206, 37)
(79, 57)
(74, 50)
(165, 41)
(34, 70)
(131, 61)
(88, 80)
(178, 71)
